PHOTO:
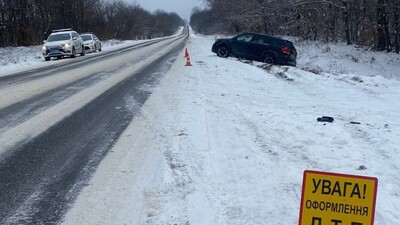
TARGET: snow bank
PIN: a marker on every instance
(340, 58)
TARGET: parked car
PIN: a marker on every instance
(64, 42)
(91, 42)
(257, 47)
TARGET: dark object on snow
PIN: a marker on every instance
(352, 122)
(325, 119)
(362, 167)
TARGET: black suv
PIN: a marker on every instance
(257, 47)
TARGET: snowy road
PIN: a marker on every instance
(57, 122)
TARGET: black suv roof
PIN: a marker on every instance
(267, 36)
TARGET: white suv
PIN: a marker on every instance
(91, 42)
(60, 43)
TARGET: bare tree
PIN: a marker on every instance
(373, 23)
(396, 26)
(27, 22)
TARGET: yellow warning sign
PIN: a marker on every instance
(337, 199)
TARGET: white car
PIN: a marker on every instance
(91, 42)
(64, 42)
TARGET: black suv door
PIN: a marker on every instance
(241, 45)
(258, 46)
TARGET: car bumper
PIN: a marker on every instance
(89, 47)
(289, 61)
(55, 52)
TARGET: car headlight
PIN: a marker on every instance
(66, 45)
(44, 47)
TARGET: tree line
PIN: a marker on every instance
(370, 23)
(27, 22)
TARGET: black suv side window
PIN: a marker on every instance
(267, 41)
(275, 42)
(244, 38)
(258, 40)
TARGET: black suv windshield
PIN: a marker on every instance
(59, 37)
(86, 37)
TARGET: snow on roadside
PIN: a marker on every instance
(14, 57)
(224, 142)
(343, 59)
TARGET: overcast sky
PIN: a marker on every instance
(182, 7)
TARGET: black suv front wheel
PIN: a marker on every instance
(222, 51)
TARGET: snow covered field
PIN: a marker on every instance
(226, 142)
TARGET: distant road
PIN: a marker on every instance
(58, 122)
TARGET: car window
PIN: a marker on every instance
(258, 40)
(59, 37)
(275, 42)
(244, 38)
(288, 44)
(86, 37)
(267, 41)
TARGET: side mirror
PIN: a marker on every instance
(74, 38)
(44, 41)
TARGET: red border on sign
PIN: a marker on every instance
(338, 175)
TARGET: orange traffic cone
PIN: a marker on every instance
(188, 62)
(186, 53)
(187, 58)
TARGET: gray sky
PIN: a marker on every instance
(182, 7)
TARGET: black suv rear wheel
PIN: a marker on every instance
(222, 51)
(269, 58)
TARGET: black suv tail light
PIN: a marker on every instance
(286, 51)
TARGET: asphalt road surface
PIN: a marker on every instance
(58, 122)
